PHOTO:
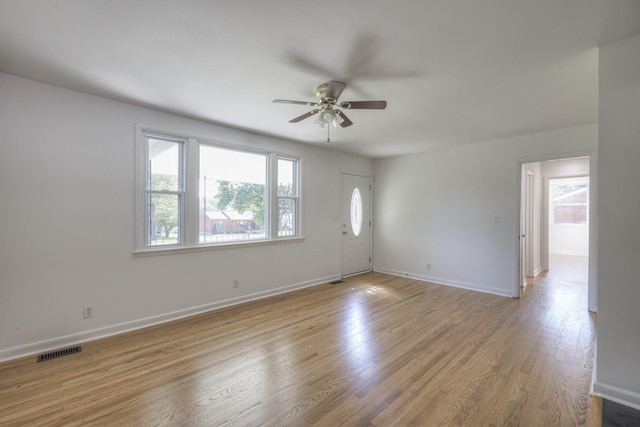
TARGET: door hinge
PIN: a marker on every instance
(369, 259)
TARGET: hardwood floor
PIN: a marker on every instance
(374, 350)
(569, 269)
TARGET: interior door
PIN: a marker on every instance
(526, 221)
(356, 224)
(529, 225)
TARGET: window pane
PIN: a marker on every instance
(569, 214)
(164, 165)
(232, 195)
(164, 219)
(286, 178)
(356, 212)
(569, 203)
(286, 217)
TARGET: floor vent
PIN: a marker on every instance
(335, 282)
(59, 353)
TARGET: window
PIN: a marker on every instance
(287, 196)
(356, 212)
(232, 198)
(569, 200)
(164, 188)
(194, 193)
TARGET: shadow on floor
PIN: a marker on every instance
(617, 415)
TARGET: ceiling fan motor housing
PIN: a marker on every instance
(321, 91)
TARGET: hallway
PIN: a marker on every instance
(568, 269)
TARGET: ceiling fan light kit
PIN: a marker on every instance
(328, 94)
(328, 117)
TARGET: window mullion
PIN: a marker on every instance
(192, 168)
(272, 199)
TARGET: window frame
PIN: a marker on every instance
(295, 198)
(189, 205)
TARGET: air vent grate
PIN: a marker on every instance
(59, 353)
(335, 282)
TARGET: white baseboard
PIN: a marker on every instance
(439, 281)
(615, 394)
(107, 331)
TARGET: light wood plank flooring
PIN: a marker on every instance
(375, 350)
(568, 269)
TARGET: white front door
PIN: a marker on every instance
(356, 224)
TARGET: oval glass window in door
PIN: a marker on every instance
(356, 212)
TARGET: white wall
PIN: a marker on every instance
(565, 239)
(67, 223)
(618, 353)
(439, 207)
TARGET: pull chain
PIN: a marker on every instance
(328, 138)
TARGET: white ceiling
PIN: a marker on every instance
(453, 71)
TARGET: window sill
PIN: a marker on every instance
(207, 248)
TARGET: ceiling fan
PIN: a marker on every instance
(328, 107)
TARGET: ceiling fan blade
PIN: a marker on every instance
(286, 101)
(335, 89)
(345, 120)
(304, 116)
(364, 105)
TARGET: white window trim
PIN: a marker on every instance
(189, 221)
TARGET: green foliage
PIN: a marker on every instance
(242, 197)
(164, 207)
(160, 182)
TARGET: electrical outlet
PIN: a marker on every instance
(87, 311)
(428, 267)
(236, 282)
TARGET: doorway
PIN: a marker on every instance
(568, 230)
(568, 201)
(356, 224)
(556, 231)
